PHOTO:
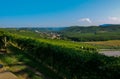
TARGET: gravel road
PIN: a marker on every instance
(115, 53)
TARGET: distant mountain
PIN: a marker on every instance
(104, 25)
(46, 29)
(93, 29)
(80, 29)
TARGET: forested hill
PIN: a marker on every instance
(92, 33)
(93, 29)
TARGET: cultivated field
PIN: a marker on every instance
(111, 44)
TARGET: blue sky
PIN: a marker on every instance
(48, 13)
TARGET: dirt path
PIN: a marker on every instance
(28, 67)
(7, 75)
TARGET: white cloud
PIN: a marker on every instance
(85, 20)
(114, 19)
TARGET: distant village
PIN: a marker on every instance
(51, 35)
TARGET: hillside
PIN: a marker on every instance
(93, 29)
(56, 59)
(74, 33)
(92, 33)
